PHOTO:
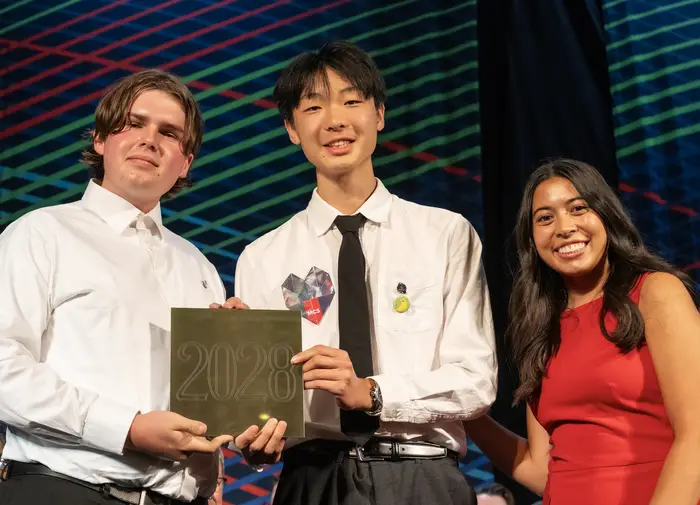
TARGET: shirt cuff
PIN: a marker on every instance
(107, 425)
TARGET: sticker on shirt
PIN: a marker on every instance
(311, 296)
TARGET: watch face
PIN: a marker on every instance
(377, 402)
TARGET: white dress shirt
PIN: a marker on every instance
(85, 295)
(435, 363)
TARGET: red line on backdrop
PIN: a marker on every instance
(654, 197)
(426, 156)
(54, 29)
(684, 210)
(135, 68)
(676, 208)
(75, 20)
(85, 36)
(61, 51)
(86, 99)
(118, 43)
(166, 45)
(266, 104)
(249, 488)
(271, 26)
(235, 95)
(657, 199)
(75, 103)
(110, 64)
(182, 38)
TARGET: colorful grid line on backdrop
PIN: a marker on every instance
(59, 55)
(248, 178)
(654, 58)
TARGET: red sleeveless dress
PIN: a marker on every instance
(605, 416)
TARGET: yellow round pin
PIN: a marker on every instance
(402, 304)
(264, 416)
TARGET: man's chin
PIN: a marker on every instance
(338, 167)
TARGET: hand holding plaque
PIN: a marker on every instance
(263, 446)
(170, 436)
(231, 368)
(331, 370)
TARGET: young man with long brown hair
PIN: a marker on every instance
(85, 295)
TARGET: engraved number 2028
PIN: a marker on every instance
(281, 382)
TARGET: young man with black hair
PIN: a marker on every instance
(397, 329)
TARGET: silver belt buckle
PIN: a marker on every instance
(4, 469)
(360, 454)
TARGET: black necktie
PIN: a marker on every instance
(353, 321)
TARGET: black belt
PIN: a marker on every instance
(395, 450)
(377, 449)
(133, 496)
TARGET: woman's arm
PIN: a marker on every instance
(672, 326)
(525, 460)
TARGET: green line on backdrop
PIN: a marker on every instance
(230, 128)
(467, 153)
(658, 140)
(647, 13)
(36, 16)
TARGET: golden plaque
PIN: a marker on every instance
(231, 369)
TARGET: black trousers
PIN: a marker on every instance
(330, 477)
(46, 490)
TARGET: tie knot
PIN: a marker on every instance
(146, 225)
(349, 223)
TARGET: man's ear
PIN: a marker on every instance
(293, 135)
(97, 144)
(187, 165)
(380, 117)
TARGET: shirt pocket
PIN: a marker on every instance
(424, 312)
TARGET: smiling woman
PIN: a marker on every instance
(570, 238)
(568, 203)
(607, 340)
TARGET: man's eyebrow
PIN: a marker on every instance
(310, 95)
(165, 124)
(172, 126)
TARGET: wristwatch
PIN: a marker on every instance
(377, 403)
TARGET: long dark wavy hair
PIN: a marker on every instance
(539, 294)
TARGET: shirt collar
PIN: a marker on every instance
(376, 209)
(117, 212)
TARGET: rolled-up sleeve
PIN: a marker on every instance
(463, 385)
(33, 398)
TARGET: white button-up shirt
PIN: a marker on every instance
(85, 295)
(435, 363)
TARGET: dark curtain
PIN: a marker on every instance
(544, 92)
